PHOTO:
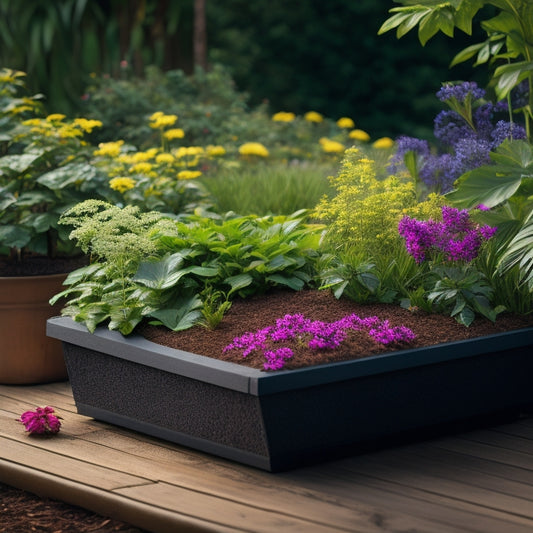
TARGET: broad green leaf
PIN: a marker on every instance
(14, 236)
(67, 175)
(238, 282)
(492, 185)
(17, 164)
(185, 313)
(160, 274)
(292, 281)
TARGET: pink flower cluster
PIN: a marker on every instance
(319, 336)
(41, 421)
(457, 236)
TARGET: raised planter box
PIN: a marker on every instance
(280, 420)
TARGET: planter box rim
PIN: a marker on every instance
(137, 349)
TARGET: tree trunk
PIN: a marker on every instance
(200, 35)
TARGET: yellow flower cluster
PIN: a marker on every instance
(331, 147)
(54, 126)
(359, 135)
(174, 133)
(345, 122)
(313, 116)
(283, 116)
(109, 149)
(189, 174)
(159, 120)
(253, 148)
(122, 184)
(383, 142)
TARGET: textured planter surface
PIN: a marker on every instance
(27, 355)
(280, 420)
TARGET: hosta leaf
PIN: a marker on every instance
(292, 282)
(160, 274)
(17, 164)
(67, 175)
(238, 282)
(14, 236)
(185, 313)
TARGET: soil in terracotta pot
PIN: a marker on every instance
(249, 315)
(36, 265)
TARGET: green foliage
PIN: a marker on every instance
(462, 292)
(44, 170)
(508, 48)
(506, 186)
(209, 107)
(175, 272)
(269, 188)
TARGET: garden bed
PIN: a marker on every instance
(280, 420)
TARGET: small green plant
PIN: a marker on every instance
(216, 304)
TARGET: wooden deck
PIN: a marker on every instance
(480, 481)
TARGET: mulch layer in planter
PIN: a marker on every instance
(249, 315)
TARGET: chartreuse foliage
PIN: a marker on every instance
(173, 272)
(367, 257)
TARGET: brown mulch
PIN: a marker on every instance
(251, 314)
(24, 512)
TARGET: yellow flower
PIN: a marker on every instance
(283, 116)
(214, 151)
(164, 158)
(55, 116)
(139, 157)
(253, 148)
(86, 124)
(331, 147)
(359, 135)
(345, 122)
(159, 120)
(122, 184)
(174, 133)
(313, 116)
(383, 142)
(141, 168)
(111, 149)
(189, 174)
(66, 132)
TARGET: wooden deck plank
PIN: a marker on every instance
(241, 517)
(446, 512)
(480, 482)
(137, 457)
(50, 462)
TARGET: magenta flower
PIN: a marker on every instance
(457, 237)
(319, 335)
(42, 421)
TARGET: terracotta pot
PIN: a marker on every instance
(27, 355)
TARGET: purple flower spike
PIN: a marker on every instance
(42, 421)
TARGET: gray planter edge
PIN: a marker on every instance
(244, 379)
